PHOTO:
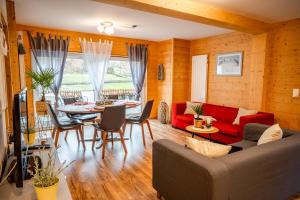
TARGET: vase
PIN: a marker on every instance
(29, 138)
(198, 123)
(41, 107)
(163, 112)
(47, 193)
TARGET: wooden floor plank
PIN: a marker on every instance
(118, 176)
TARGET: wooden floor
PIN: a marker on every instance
(117, 177)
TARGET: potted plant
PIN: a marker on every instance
(29, 136)
(42, 80)
(45, 179)
(198, 121)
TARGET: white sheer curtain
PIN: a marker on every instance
(96, 58)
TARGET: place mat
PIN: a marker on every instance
(81, 103)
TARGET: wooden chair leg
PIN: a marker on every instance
(124, 127)
(130, 130)
(122, 140)
(77, 134)
(112, 139)
(104, 143)
(142, 126)
(66, 134)
(56, 136)
(53, 133)
(150, 131)
(81, 136)
(94, 138)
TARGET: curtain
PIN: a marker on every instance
(50, 52)
(138, 57)
(96, 57)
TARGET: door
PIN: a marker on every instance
(199, 78)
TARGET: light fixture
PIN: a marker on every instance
(106, 27)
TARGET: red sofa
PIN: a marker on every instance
(225, 116)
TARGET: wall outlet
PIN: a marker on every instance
(296, 93)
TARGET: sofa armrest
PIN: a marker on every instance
(260, 118)
(178, 108)
(182, 174)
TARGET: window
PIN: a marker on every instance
(75, 74)
(118, 76)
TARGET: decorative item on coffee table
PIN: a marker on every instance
(198, 121)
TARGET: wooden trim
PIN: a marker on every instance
(195, 11)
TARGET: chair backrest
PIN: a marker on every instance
(53, 115)
(147, 110)
(113, 118)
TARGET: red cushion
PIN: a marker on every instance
(227, 128)
(220, 113)
(185, 118)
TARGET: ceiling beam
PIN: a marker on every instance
(194, 11)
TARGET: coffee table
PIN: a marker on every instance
(208, 131)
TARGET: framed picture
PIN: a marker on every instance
(229, 64)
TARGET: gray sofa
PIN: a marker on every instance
(267, 172)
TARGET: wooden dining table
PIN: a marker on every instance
(91, 108)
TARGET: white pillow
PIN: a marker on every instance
(206, 148)
(243, 112)
(271, 134)
(189, 107)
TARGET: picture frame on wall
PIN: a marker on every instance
(229, 64)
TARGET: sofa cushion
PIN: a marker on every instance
(190, 107)
(207, 148)
(244, 144)
(273, 133)
(227, 128)
(220, 113)
(186, 118)
(243, 112)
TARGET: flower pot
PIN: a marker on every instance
(41, 107)
(198, 123)
(29, 138)
(47, 193)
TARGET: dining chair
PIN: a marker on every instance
(64, 124)
(141, 120)
(112, 120)
(85, 118)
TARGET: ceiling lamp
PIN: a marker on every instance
(106, 27)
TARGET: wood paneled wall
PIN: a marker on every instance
(271, 69)
(119, 49)
(11, 64)
(226, 90)
(284, 74)
(174, 54)
(181, 71)
(165, 57)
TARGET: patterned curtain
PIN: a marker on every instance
(138, 58)
(50, 52)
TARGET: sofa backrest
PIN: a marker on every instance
(268, 171)
(220, 113)
(253, 131)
